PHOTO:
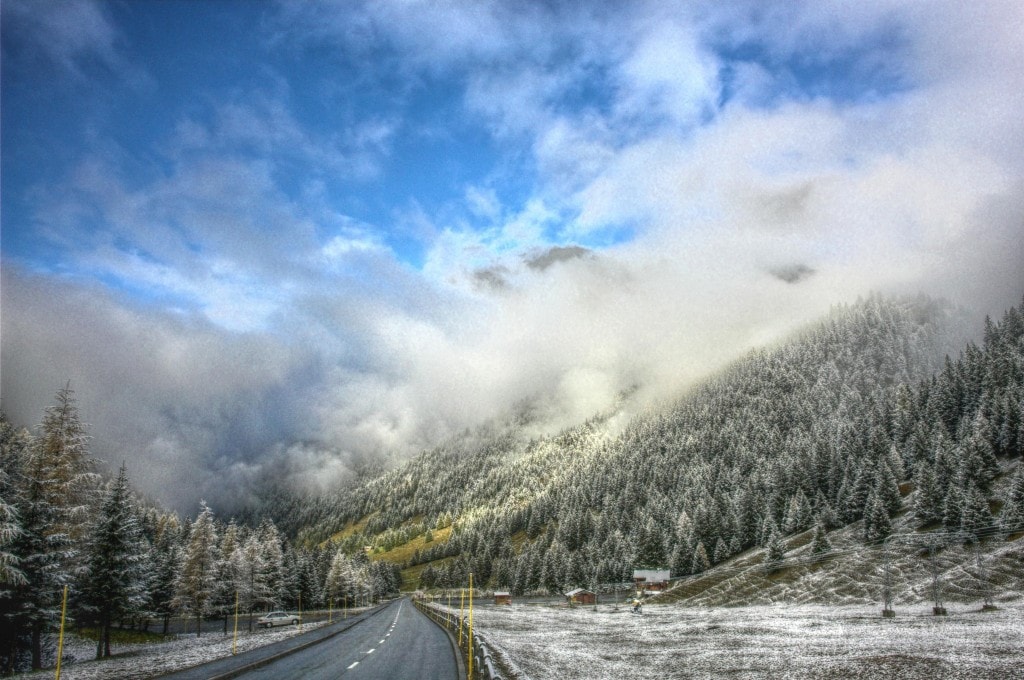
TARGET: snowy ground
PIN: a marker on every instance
(540, 642)
(149, 660)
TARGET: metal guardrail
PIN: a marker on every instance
(484, 667)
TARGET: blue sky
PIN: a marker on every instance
(290, 235)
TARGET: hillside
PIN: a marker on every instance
(821, 430)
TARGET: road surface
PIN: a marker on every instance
(396, 643)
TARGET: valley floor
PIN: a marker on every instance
(539, 642)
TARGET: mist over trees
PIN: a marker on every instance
(815, 434)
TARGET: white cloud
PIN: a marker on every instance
(316, 333)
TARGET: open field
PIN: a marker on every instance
(540, 642)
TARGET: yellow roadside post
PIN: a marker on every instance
(470, 643)
(462, 609)
(60, 642)
(234, 638)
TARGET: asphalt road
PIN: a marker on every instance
(395, 643)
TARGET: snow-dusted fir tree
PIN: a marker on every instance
(63, 461)
(700, 562)
(819, 542)
(798, 513)
(928, 496)
(55, 491)
(254, 591)
(340, 587)
(273, 563)
(877, 525)
(164, 559)
(227, 579)
(775, 548)
(195, 585)
(12, 448)
(114, 584)
(1011, 517)
(975, 518)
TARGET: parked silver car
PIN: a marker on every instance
(277, 619)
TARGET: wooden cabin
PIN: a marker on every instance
(502, 597)
(651, 580)
(581, 596)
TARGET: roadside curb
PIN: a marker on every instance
(259, 663)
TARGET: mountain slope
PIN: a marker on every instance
(820, 430)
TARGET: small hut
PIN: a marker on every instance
(651, 580)
(502, 597)
(581, 596)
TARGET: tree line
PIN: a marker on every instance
(126, 562)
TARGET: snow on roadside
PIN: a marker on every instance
(747, 642)
(149, 660)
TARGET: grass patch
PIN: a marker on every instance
(519, 539)
(125, 636)
(349, 529)
(401, 553)
(411, 576)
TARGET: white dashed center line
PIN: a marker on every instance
(353, 665)
(372, 651)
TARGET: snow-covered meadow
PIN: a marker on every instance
(150, 660)
(539, 642)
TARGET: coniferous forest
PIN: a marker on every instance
(880, 403)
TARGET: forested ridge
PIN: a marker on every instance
(818, 432)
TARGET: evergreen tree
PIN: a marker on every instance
(775, 548)
(273, 562)
(975, 517)
(114, 585)
(1011, 517)
(164, 560)
(55, 489)
(700, 562)
(195, 585)
(226, 592)
(721, 552)
(928, 497)
(820, 543)
(254, 591)
(952, 508)
(798, 513)
(340, 585)
(877, 525)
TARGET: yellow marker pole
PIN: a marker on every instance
(470, 643)
(234, 638)
(462, 609)
(60, 643)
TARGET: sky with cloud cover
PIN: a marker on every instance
(279, 238)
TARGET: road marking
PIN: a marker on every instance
(353, 666)
(381, 642)
(372, 650)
